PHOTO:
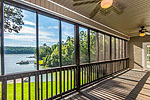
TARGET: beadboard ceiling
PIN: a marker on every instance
(136, 14)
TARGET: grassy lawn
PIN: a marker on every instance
(10, 87)
(10, 90)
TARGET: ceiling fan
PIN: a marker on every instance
(104, 6)
(143, 31)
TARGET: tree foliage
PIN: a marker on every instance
(13, 19)
(83, 47)
(50, 55)
(92, 46)
(68, 52)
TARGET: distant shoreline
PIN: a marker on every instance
(19, 50)
(19, 53)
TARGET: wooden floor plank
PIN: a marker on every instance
(132, 85)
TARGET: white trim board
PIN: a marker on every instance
(144, 52)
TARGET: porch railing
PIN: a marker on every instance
(56, 82)
(95, 71)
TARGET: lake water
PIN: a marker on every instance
(12, 67)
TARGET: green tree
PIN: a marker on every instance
(13, 19)
(50, 55)
(44, 50)
(92, 46)
(101, 47)
(83, 47)
(68, 52)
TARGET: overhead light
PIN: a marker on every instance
(106, 3)
(142, 34)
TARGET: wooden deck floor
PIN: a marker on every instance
(129, 85)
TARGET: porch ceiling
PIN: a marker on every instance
(136, 13)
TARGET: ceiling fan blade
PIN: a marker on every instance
(119, 5)
(105, 11)
(146, 26)
(119, 12)
(147, 33)
(85, 2)
(95, 10)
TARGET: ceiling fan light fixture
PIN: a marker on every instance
(142, 34)
(106, 3)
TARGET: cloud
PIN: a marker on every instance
(49, 35)
(32, 31)
(29, 30)
(71, 34)
(25, 29)
(53, 27)
(28, 34)
(24, 38)
(29, 23)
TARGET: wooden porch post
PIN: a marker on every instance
(77, 57)
(110, 49)
(60, 53)
(4, 89)
(88, 45)
(115, 48)
(4, 82)
(37, 54)
(89, 60)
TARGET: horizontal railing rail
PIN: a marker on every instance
(57, 82)
(95, 71)
(32, 73)
(105, 61)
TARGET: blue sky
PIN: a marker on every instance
(48, 31)
(83, 29)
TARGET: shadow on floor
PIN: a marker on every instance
(129, 85)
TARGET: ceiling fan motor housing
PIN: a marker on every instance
(142, 30)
